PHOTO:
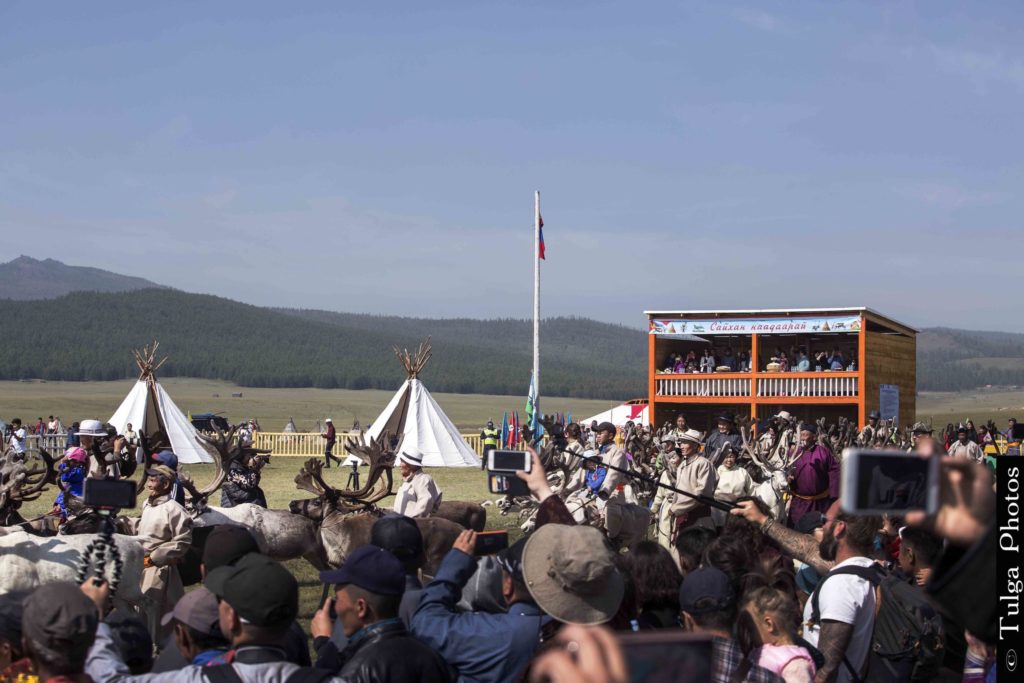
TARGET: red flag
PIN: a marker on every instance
(540, 220)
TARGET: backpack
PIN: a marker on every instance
(907, 641)
(225, 673)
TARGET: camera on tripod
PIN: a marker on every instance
(109, 494)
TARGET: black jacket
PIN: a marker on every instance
(385, 652)
(241, 485)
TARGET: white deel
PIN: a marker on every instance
(146, 411)
(416, 418)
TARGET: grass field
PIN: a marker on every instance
(271, 407)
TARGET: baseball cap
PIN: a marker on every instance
(810, 521)
(60, 617)
(227, 544)
(605, 427)
(371, 568)
(168, 458)
(706, 590)
(261, 591)
(399, 535)
(197, 610)
(511, 559)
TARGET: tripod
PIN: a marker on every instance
(353, 477)
(101, 550)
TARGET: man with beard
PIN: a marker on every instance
(846, 602)
(813, 475)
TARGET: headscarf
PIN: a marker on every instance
(76, 454)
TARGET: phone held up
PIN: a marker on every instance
(110, 493)
(888, 482)
(490, 542)
(501, 472)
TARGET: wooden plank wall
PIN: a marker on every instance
(891, 359)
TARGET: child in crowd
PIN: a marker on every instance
(71, 474)
(775, 617)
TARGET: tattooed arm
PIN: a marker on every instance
(803, 547)
(833, 639)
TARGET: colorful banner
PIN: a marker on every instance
(757, 326)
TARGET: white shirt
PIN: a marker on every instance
(417, 496)
(18, 440)
(851, 600)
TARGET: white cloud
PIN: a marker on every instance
(760, 20)
(983, 68)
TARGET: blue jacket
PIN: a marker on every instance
(478, 645)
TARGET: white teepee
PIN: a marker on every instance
(151, 411)
(418, 421)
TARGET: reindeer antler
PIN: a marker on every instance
(381, 459)
(310, 478)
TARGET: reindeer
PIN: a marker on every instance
(773, 481)
(345, 517)
(19, 484)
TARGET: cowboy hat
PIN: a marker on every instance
(571, 574)
(783, 415)
(727, 417)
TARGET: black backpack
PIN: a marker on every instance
(907, 642)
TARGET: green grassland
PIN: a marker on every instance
(271, 407)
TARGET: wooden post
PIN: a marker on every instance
(755, 365)
(862, 387)
(652, 366)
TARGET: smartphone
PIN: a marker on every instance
(669, 655)
(509, 461)
(888, 482)
(110, 493)
(498, 482)
(490, 542)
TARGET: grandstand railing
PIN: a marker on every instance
(311, 444)
(764, 384)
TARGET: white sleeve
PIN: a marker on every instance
(841, 597)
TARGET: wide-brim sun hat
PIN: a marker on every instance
(690, 436)
(91, 428)
(411, 456)
(571, 574)
(784, 415)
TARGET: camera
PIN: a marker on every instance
(110, 493)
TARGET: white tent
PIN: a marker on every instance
(151, 411)
(635, 411)
(415, 417)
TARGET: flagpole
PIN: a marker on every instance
(536, 295)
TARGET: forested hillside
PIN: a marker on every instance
(89, 336)
(954, 360)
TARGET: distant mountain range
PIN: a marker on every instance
(26, 278)
(216, 338)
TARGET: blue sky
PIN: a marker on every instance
(381, 157)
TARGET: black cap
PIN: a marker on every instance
(261, 591)
(605, 427)
(727, 417)
(810, 521)
(511, 559)
(809, 427)
(706, 590)
(227, 544)
(399, 535)
(10, 617)
(60, 617)
(875, 415)
(371, 568)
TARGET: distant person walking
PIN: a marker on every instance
(331, 435)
